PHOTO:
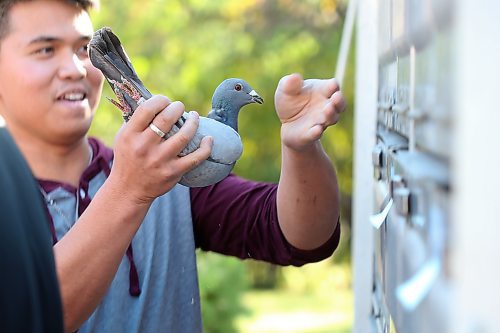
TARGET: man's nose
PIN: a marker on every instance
(72, 67)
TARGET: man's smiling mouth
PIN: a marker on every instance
(72, 96)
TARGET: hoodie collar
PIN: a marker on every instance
(101, 161)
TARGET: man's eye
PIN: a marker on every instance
(45, 50)
(83, 50)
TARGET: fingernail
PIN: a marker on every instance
(175, 104)
(193, 114)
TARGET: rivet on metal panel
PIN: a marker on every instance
(400, 108)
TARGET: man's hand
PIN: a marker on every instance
(306, 109)
(146, 166)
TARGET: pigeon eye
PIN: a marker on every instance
(238, 87)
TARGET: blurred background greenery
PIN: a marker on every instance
(184, 49)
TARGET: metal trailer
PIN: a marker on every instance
(426, 206)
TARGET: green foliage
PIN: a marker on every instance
(222, 284)
(314, 298)
(262, 275)
(322, 278)
(309, 278)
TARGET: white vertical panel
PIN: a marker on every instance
(364, 141)
(475, 240)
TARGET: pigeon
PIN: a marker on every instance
(108, 55)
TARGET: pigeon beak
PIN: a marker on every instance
(255, 97)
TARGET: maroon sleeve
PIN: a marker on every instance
(238, 217)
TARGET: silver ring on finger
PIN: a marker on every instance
(157, 131)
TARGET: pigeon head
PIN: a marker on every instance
(237, 92)
(229, 97)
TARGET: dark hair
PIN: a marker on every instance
(6, 5)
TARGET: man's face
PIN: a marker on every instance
(49, 89)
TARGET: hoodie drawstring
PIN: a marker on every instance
(134, 288)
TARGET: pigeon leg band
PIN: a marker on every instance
(157, 131)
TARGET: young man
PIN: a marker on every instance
(124, 231)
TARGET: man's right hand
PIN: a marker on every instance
(145, 165)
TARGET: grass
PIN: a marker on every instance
(310, 303)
